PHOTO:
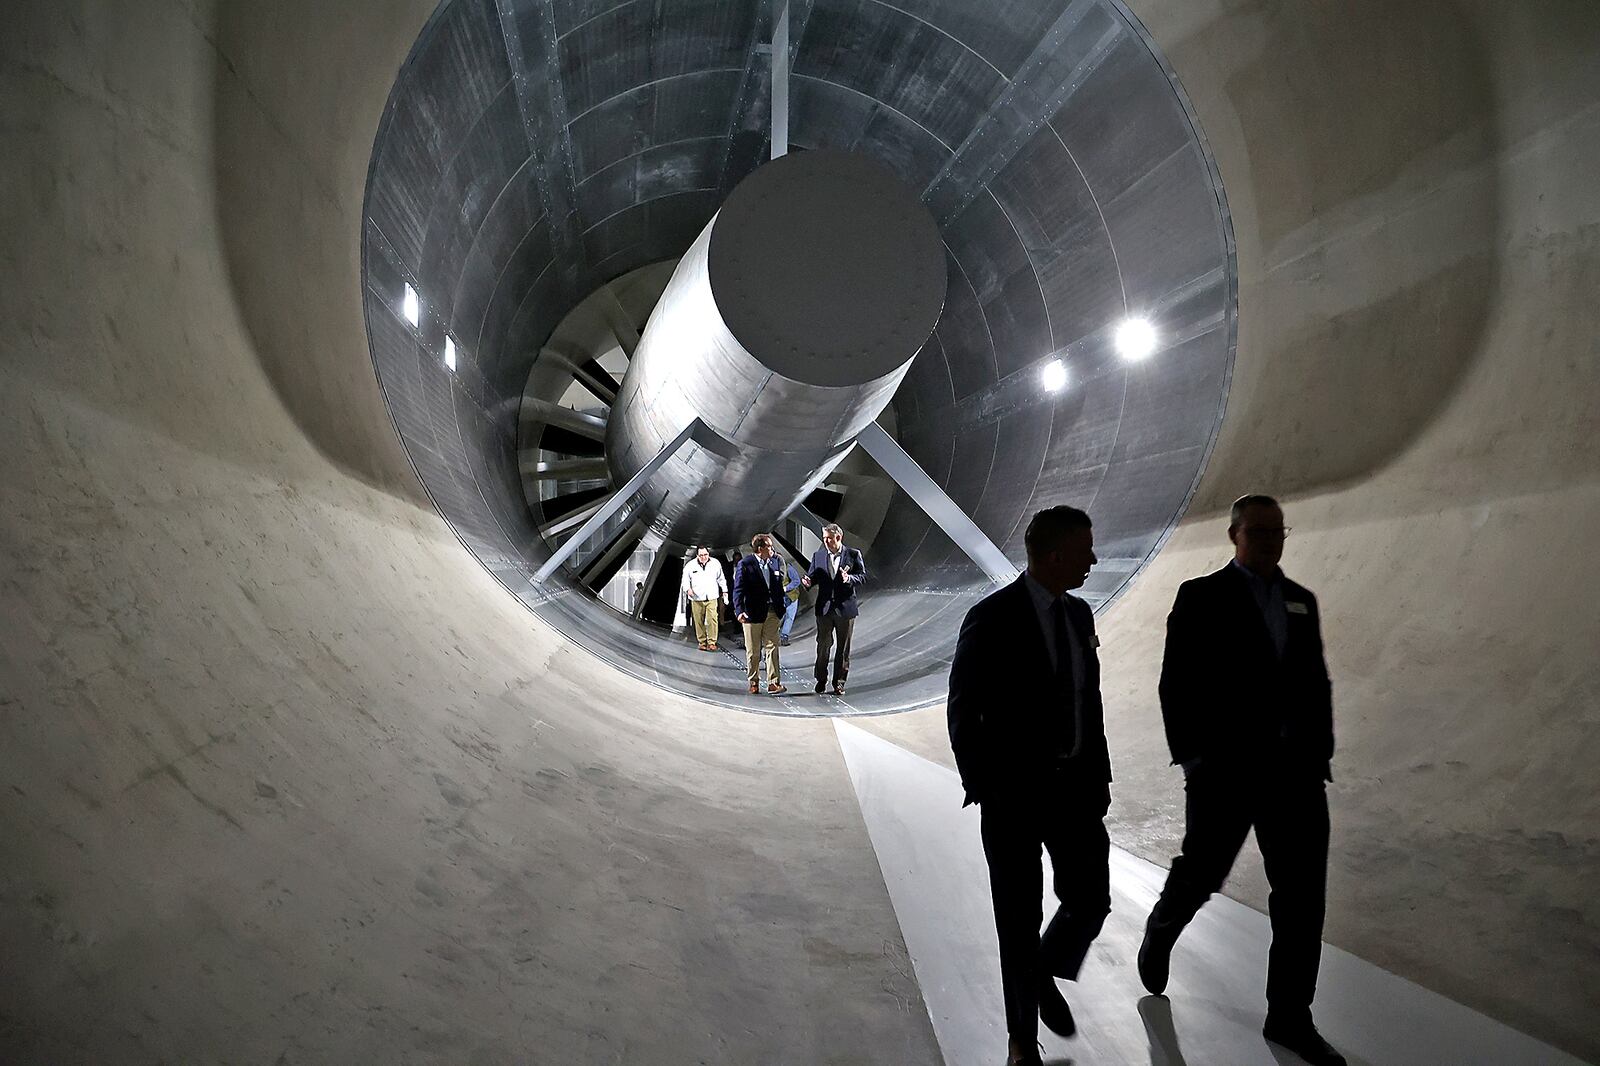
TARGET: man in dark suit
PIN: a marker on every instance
(1028, 732)
(837, 571)
(758, 604)
(1249, 717)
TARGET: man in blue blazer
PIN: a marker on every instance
(1028, 731)
(758, 603)
(1248, 710)
(836, 571)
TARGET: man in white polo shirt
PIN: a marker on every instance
(706, 587)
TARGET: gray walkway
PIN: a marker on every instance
(932, 860)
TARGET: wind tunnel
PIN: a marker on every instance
(541, 167)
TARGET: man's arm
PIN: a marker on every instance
(858, 568)
(1102, 753)
(792, 578)
(738, 590)
(964, 711)
(1322, 692)
(1179, 710)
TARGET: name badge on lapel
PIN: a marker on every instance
(1295, 608)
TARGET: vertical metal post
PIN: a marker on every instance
(780, 78)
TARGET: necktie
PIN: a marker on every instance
(1068, 728)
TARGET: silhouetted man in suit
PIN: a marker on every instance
(837, 572)
(1249, 716)
(1029, 737)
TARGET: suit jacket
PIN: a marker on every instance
(1005, 698)
(757, 589)
(835, 595)
(1226, 696)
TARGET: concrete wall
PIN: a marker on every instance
(284, 775)
(1418, 220)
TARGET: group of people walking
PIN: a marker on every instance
(1248, 712)
(765, 598)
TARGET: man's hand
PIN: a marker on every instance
(744, 618)
(805, 582)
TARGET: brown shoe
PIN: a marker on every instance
(704, 646)
(754, 688)
(775, 688)
(712, 646)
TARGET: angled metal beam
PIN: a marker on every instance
(542, 102)
(808, 518)
(604, 566)
(622, 328)
(738, 153)
(553, 414)
(565, 469)
(616, 502)
(1028, 101)
(590, 374)
(936, 504)
(780, 79)
(575, 518)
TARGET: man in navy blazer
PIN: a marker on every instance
(758, 603)
(1248, 710)
(1028, 731)
(836, 571)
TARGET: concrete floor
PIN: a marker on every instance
(287, 777)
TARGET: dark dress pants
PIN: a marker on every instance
(1068, 821)
(1289, 811)
(833, 633)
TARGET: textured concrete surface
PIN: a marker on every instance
(1419, 354)
(285, 777)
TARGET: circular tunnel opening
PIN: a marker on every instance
(541, 169)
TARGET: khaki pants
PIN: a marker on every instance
(705, 620)
(762, 637)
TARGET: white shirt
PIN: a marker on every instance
(704, 582)
(833, 563)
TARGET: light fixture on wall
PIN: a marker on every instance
(1135, 339)
(410, 306)
(1053, 375)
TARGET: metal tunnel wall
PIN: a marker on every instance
(534, 151)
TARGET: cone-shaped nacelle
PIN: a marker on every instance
(786, 328)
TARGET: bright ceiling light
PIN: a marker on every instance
(410, 306)
(1135, 339)
(449, 352)
(1053, 375)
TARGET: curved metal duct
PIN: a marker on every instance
(536, 154)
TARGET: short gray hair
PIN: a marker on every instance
(1244, 503)
(832, 527)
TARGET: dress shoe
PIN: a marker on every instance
(1017, 1055)
(1053, 1009)
(784, 641)
(1303, 1039)
(704, 646)
(712, 646)
(1155, 956)
(775, 689)
(754, 688)
(838, 688)
(822, 686)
